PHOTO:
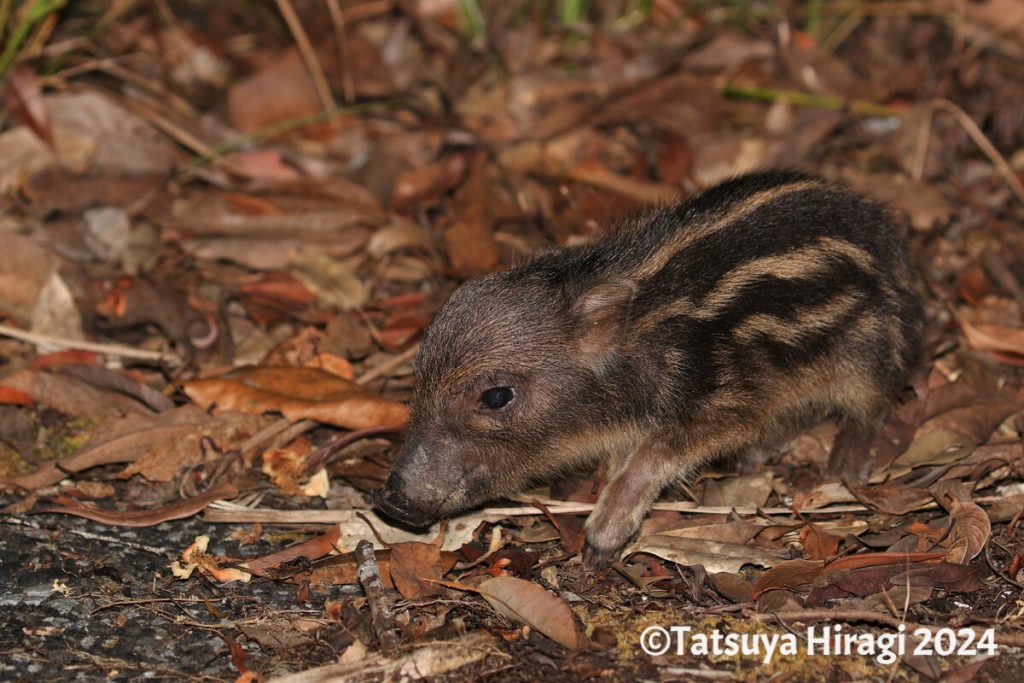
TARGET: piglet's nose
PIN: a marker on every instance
(393, 502)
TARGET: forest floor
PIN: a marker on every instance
(226, 225)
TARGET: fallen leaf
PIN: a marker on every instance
(750, 490)
(92, 131)
(469, 241)
(818, 544)
(790, 575)
(280, 91)
(960, 578)
(938, 446)
(893, 499)
(732, 586)
(24, 98)
(970, 530)
(312, 549)
(71, 395)
(415, 568)
(14, 397)
(714, 557)
(532, 605)
(986, 337)
(297, 393)
(24, 269)
(738, 532)
(878, 559)
(22, 154)
(144, 518)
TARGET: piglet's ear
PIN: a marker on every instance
(601, 312)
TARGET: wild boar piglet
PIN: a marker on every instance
(730, 321)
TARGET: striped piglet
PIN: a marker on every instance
(730, 321)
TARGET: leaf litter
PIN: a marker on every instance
(228, 225)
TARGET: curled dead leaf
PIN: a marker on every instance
(530, 604)
(969, 532)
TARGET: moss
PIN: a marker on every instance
(628, 628)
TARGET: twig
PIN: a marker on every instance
(998, 269)
(282, 127)
(972, 130)
(806, 99)
(387, 366)
(317, 458)
(924, 135)
(118, 350)
(348, 87)
(843, 31)
(226, 512)
(280, 432)
(382, 614)
(316, 71)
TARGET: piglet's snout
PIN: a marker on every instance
(415, 490)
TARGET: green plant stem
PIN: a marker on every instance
(36, 12)
(814, 19)
(283, 127)
(806, 99)
(572, 11)
(472, 18)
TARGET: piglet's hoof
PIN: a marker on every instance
(594, 557)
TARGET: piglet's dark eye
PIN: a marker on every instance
(497, 397)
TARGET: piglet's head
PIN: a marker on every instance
(508, 378)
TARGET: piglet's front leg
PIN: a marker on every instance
(629, 495)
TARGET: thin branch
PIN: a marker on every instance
(982, 141)
(47, 341)
(316, 71)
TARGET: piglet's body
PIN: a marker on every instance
(730, 321)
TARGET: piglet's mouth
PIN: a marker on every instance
(398, 507)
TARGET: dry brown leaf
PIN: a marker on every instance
(878, 559)
(94, 132)
(469, 240)
(279, 92)
(961, 578)
(987, 337)
(893, 499)
(312, 549)
(144, 518)
(644, 191)
(24, 99)
(937, 446)
(297, 393)
(969, 532)
(530, 604)
(738, 532)
(743, 491)
(24, 269)
(818, 544)
(713, 556)
(791, 574)
(732, 586)
(397, 235)
(71, 395)
(167, 447)
(332, 280)
(822, 495)
(415, 568)
(332, 363)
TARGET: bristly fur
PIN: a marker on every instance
(731, 320)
